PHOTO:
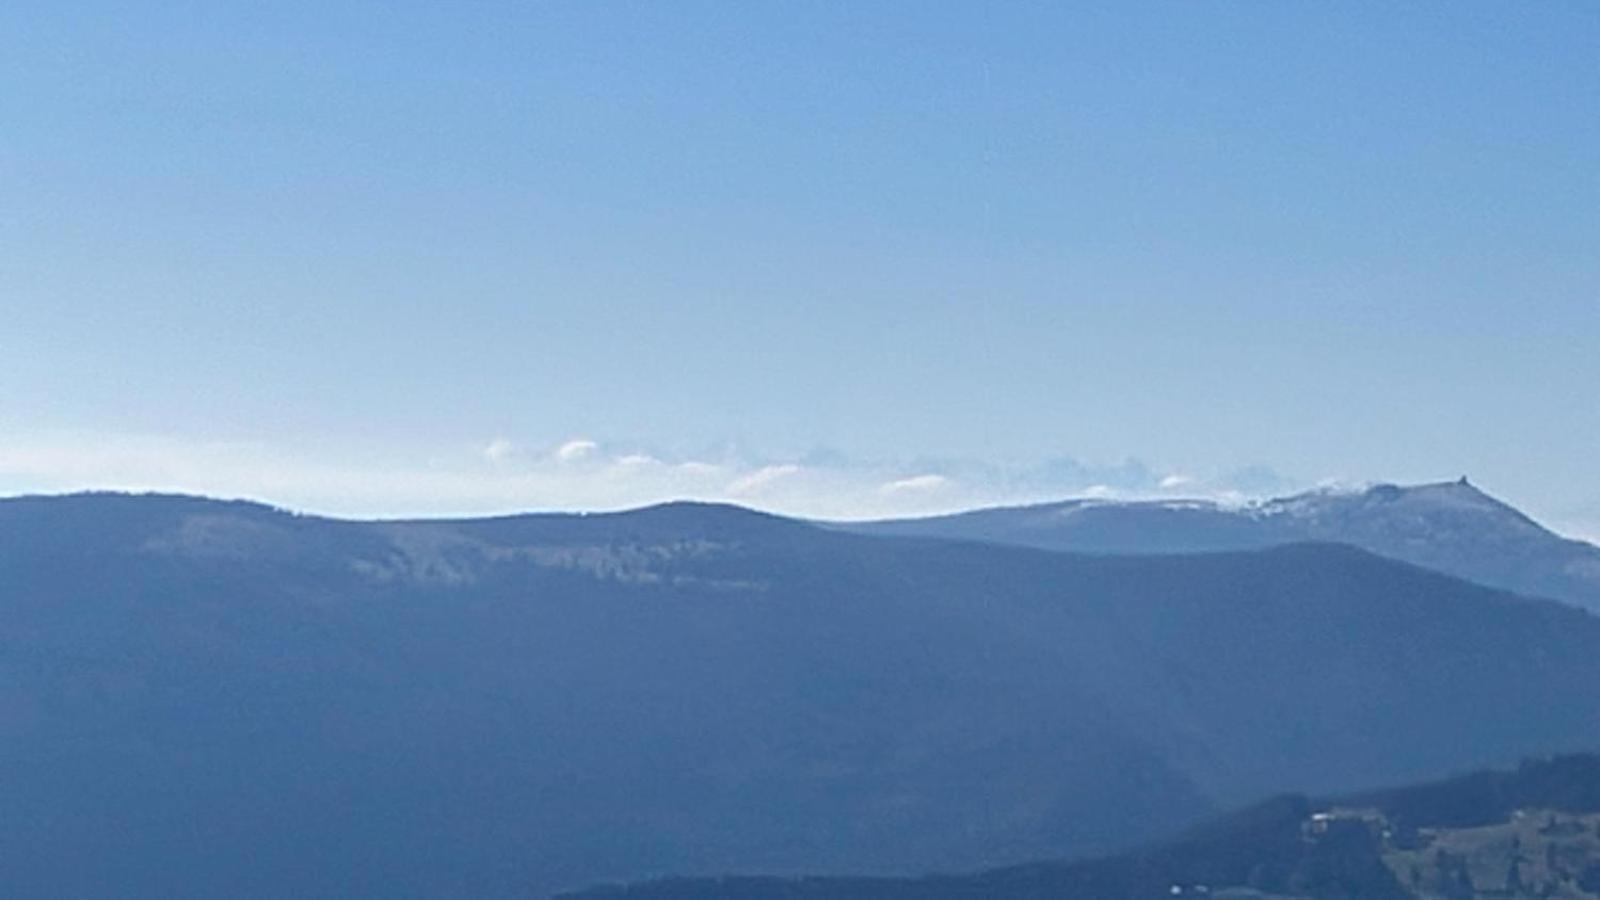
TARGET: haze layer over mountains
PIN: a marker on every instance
(209, 698)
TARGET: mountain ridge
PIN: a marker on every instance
(1453, 527)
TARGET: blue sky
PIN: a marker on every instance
(836, 258)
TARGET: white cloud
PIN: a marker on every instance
(917, 484)
(497, 450)
(761, 479)
(576, 449)
(1175, 481)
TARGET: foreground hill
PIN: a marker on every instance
(1529, 833)
(221, 699)
(1452, 527)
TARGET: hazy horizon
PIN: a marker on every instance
(887, 509)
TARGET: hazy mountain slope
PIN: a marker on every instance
(1529, 833)
(1452, 527)
(219, 700)
(205, 699)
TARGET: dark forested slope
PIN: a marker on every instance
(1529, 833)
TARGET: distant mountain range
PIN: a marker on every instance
(1452, 527)
(204, 698)
(1525, 834)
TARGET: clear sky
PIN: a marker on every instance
(838, 258)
